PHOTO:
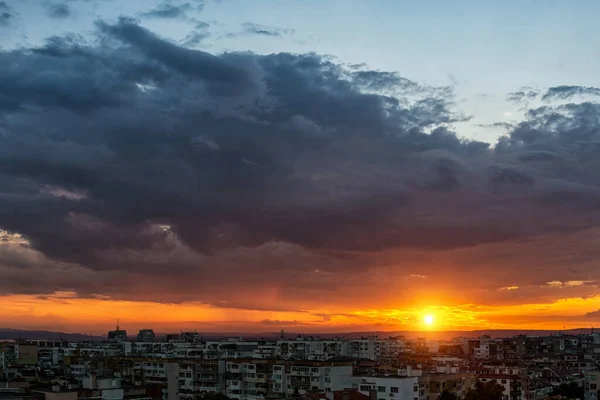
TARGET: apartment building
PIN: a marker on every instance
(146, 335)
(385, 351)
(247, 379)
(592, 385)
(200, 377)
(164, 373)
(305, 376)
(391, 387)
(307, 348)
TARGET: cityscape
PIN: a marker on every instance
(188, 366)
(299, 200)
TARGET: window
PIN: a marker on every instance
(365, 388)
(592, 377)
(592, 386)
(381, 389)
(394, 389)
(503, 381)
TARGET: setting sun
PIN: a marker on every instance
(428, 320)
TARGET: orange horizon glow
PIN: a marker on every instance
(66, 313)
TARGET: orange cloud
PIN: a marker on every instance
(65, 312)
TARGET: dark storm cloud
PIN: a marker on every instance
(133, 157)
(257, 29)
(59, 10)
(215, 71)
(566, 92)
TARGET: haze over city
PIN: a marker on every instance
(311, 166)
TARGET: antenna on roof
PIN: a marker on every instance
(117, 323)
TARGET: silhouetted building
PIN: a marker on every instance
(146, 335)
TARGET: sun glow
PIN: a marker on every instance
(428, 320)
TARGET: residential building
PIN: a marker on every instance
(146, 335)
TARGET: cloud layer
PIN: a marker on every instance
(282, 179)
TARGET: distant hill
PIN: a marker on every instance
(432, 335)
(14, 334)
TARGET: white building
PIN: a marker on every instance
(592, 385)
(246, 380)
(159, 372)
(200, 377)
(308, 348)
(390, 387)
(385, 351)
(310, 376)
(109, 388)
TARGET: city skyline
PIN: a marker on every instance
(227, 166)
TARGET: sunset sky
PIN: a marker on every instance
(313, 166)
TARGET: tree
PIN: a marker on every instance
(448, 395)
(570, 390)
(485, 391)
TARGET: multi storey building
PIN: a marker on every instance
(304, 376)
(200, 377)
(146, 335)
(592, 385)
(391, 387)
(247, 379)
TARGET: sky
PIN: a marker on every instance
(312, 166)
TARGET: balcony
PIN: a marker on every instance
(206, 379)
(208, 388)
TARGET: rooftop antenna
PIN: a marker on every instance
(117, 323)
